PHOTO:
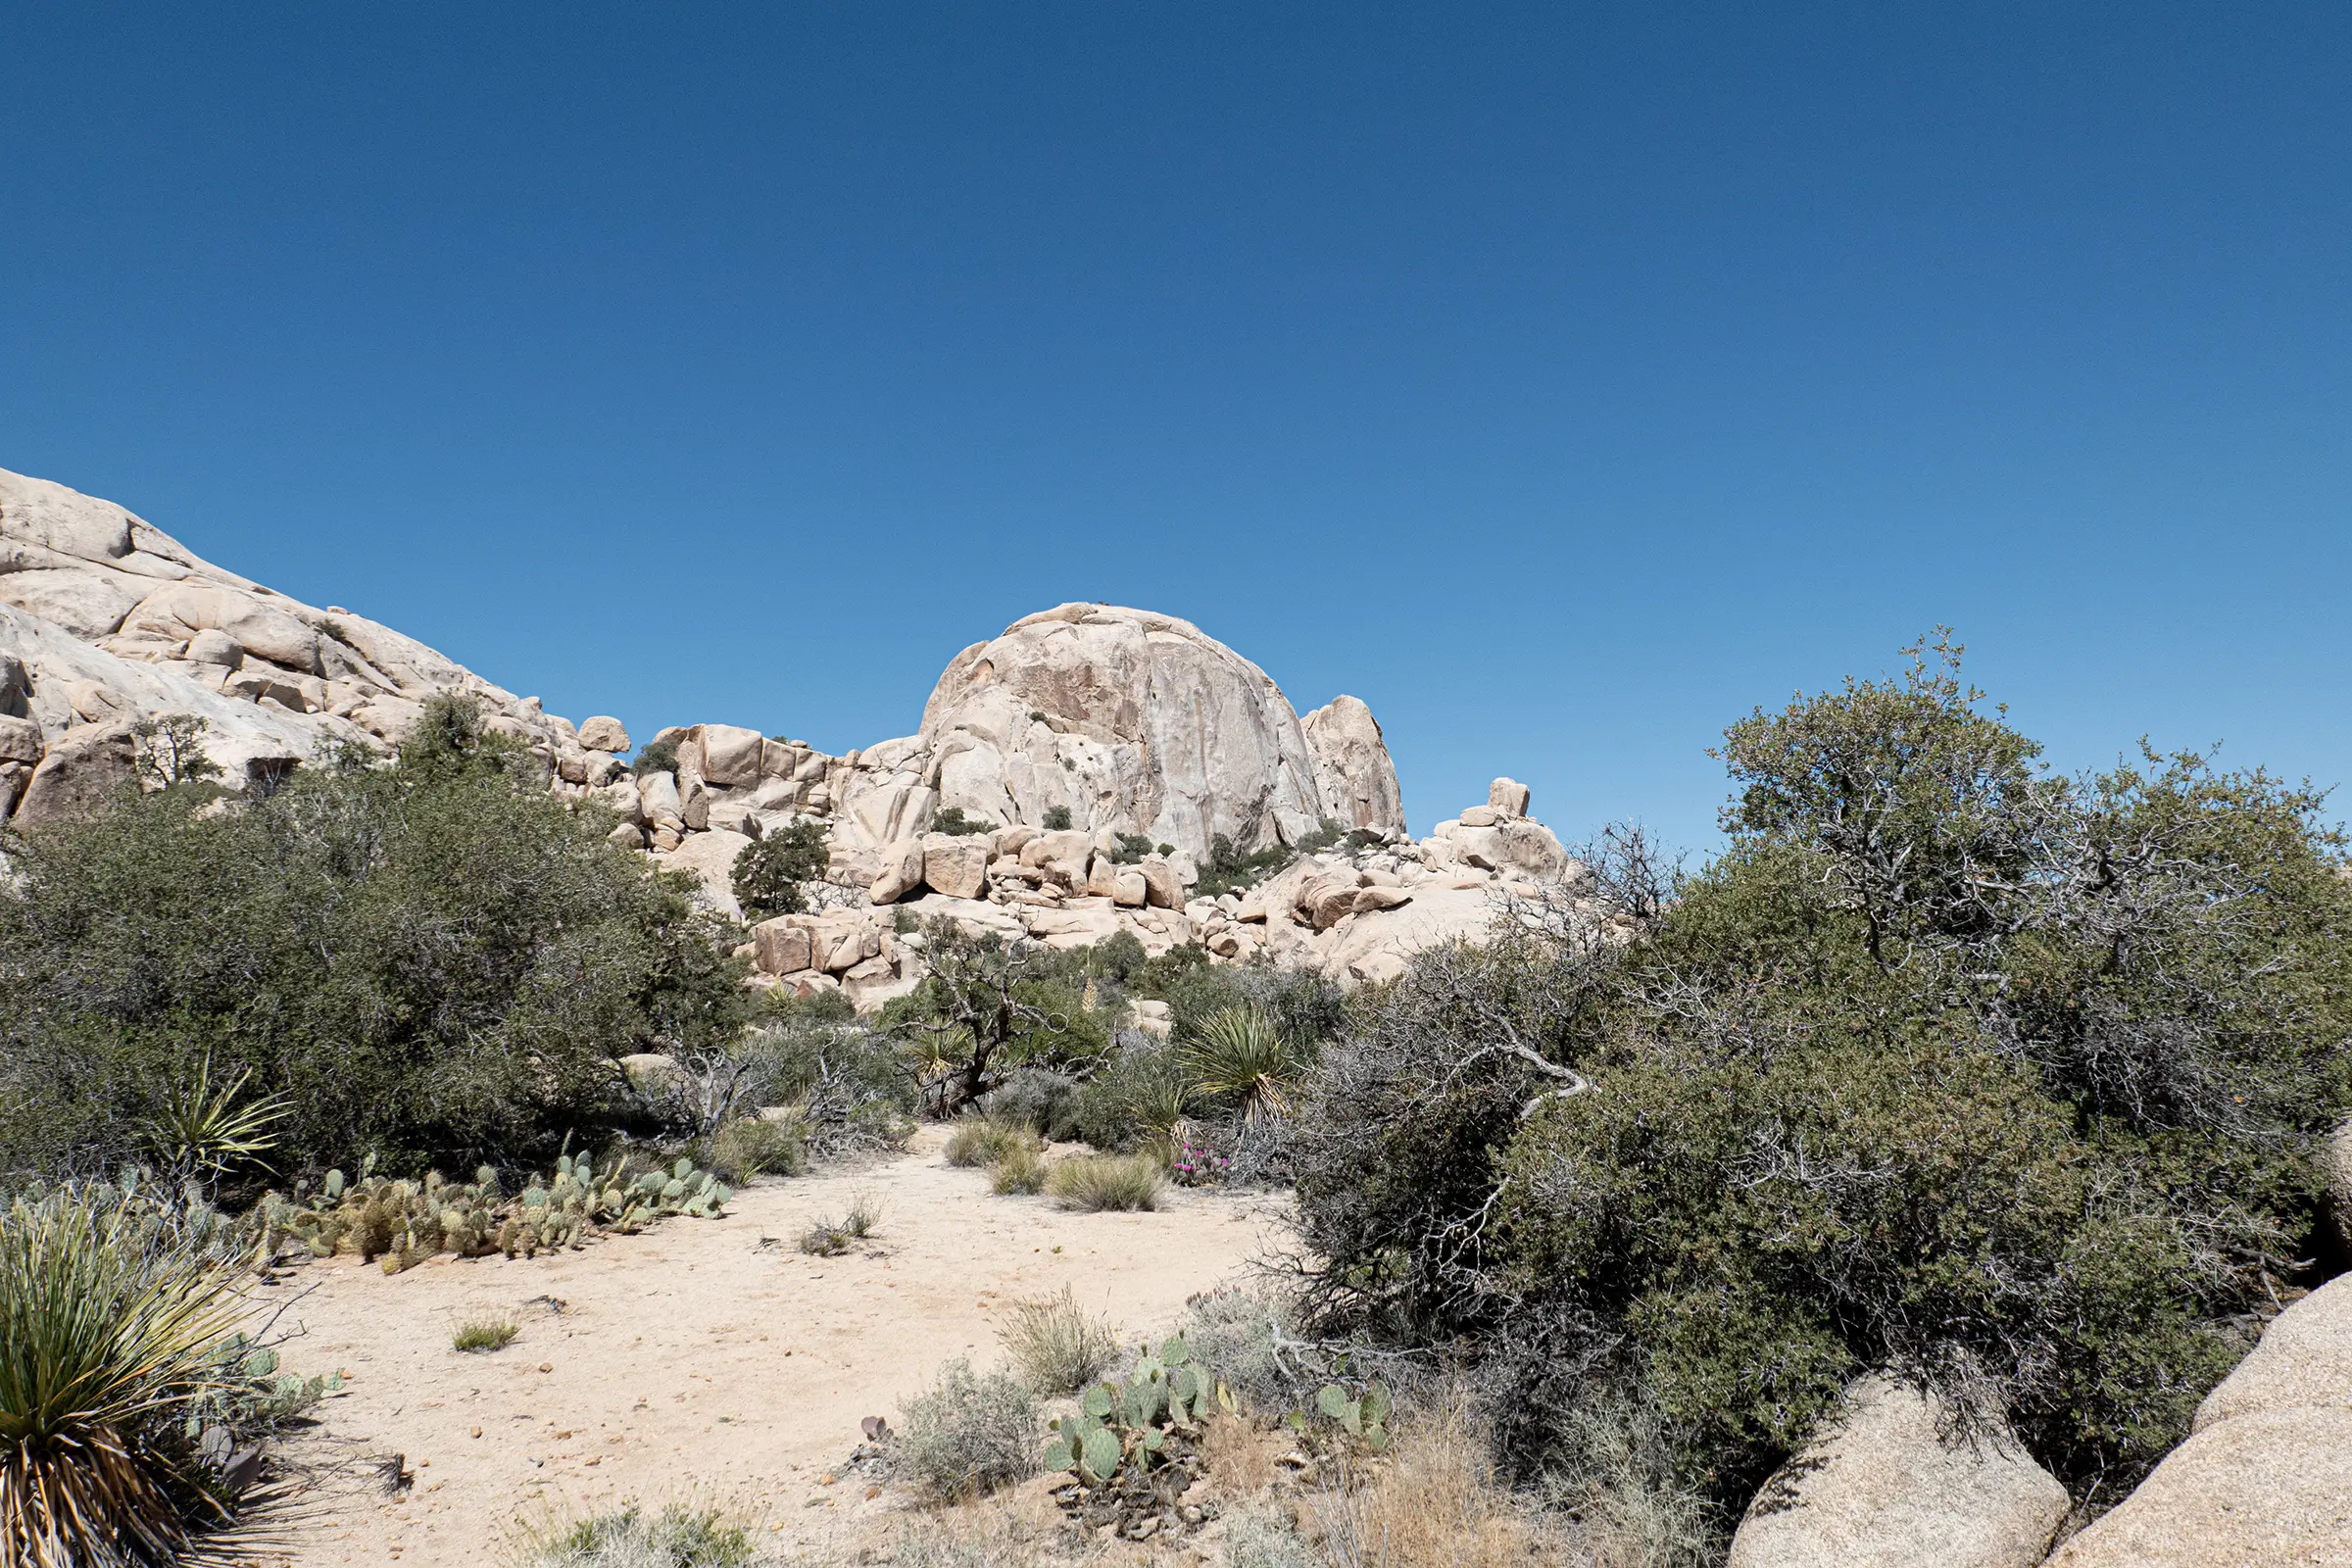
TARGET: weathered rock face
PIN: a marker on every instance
(2267, 1477)
(1880, 1489)
(1356, 780)
(105, 617)
(1122, 717)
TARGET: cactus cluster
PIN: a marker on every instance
(1363, 1416)
(1148, 1419)
(405, 1222)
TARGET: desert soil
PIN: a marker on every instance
(704, 1360)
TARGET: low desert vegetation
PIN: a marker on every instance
(1096, 1183)
(677, 1536)
(980, 1141)
(1019, 1171)
(1056, 1345)
(970, 1432)
(128, 1404)
(830, 1238)
(476, 1335)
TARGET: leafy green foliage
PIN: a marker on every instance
(1057, 819)
(436, 960)
(654, 757)
(770, 873)
(950, 819)
(988, 1007)
(168, 749)
(2007, 1082)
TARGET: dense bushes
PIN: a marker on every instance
(2005, 1081)
(770, 873)
(435, 961)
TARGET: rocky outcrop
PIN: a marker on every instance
(105, 618)
(1882, 1488)
(1355, 781)
(2265, 1476)
(1123, 719)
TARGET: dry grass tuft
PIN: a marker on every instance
(1055, 1346)
(477, 1335)
(1099, 1182)
(978, 1142)
(1433, 1503)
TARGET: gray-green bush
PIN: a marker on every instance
(969, 1432)
(2007, 1081)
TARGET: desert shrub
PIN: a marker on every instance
(654, 757)
(969, 1432)
(1240, 1333)
(1020, 1170)
(989, 1008)
(2010, 1083)
(1260, 1537)
(1139, 1095)
(1057, 819)
(950, 819)
(112, 1318)
(830, 1238)
(853, 1086)
(436, 960)
(770, 871)
(1056, 1345)
(678, 1536)
(1034, 1097)
(759, 1146)
(1097, 1182)
(984, 1141)
(168, 749)
(477, 1335)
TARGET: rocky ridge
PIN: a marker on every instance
(1110, 752)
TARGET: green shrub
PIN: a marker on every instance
(2010, 1083)
(950, 819)
(851, 1083)
(678, 1536)
(1097, 1182)
(1034, 1097)
(654, 757)
(1057, 819)
(112, 1321)
(478, 1335)
(978, 1141)
(1056, 1345)
(757, 1146)
(437, 960)
(1018, 1170)
(969, 1433)
(989, 1008)
(770, 871)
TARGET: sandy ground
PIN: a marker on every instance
(704, 1360)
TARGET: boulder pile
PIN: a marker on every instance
(1086, 772)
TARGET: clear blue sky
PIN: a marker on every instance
(1562, 381)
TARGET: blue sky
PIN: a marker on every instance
(1564, 381)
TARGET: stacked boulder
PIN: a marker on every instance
(106, 620)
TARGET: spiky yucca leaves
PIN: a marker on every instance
(109, 1325)
(1242, 1052)
(200, 1131)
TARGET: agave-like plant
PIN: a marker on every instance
(1243, 1052)
(110, 1330)
(202, 1131)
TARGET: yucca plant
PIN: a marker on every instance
(110, 1329)
(202, 1131)
(1242, 1053)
